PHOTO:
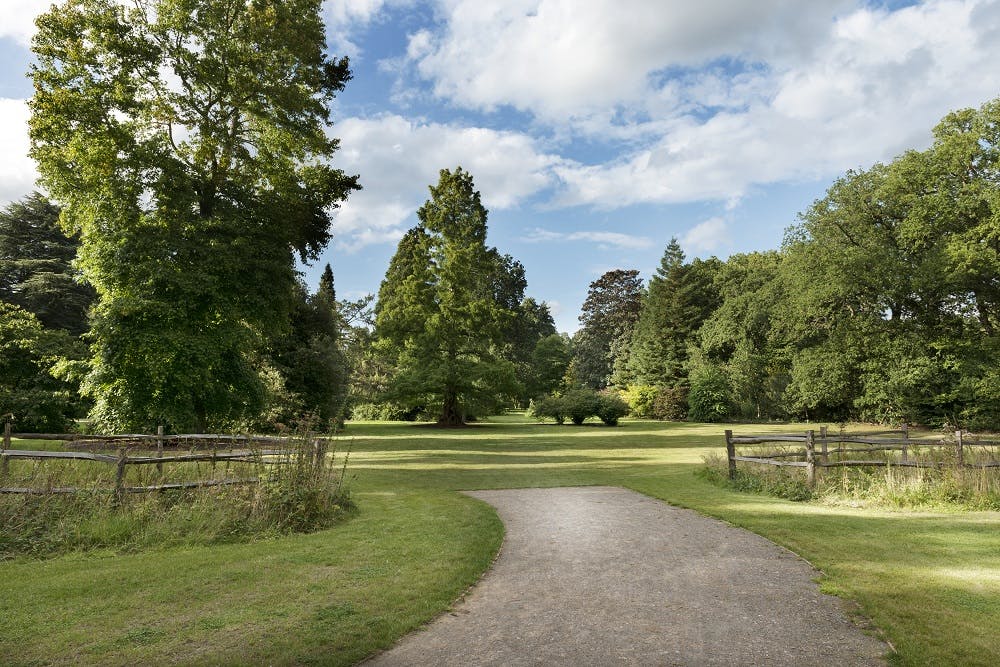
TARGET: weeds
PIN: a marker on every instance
(301, 490)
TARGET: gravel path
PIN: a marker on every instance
(607, 576)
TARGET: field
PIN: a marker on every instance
(929, 580)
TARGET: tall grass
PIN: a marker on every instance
(301, 490)
(941, 485)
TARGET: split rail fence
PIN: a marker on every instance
(828, 450)
(151, 452)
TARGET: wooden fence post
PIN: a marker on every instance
(906, 442)
(959, 448)
(811, 458)
(120, 475)
(823, 457)
(4, 461)
(731, 453)
(159, 450)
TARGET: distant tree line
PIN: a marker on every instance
(882, 304)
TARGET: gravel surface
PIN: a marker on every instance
(607, 576)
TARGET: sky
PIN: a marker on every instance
(597, 130)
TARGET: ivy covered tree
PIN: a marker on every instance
(36, 266)
(439, 314)
(186, 141)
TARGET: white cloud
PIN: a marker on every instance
(19, 19)
(706, 101)
(17, 170)
(706, 236)
(605, 239)
(399, 158)
(564, 58)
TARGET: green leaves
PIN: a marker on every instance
(187, 142)
(444, 306)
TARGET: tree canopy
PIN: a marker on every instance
(445, 304)
(186, 141)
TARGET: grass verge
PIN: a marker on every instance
(928, 579)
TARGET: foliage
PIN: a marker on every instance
(36, 271)
(680, 297)
(579, 404)
(30, 358)
(305, 492)
(186, 141)
(708, 398)
(608, 316)
(548, 364)
(443, 307)
(657, 402)
(311, 360)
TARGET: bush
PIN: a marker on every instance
(611, 408)
(578, 405)
(384, 412)
(657, 402)
(708, 400)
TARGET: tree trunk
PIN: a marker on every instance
(451, 414)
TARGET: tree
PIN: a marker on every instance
(186, 141)
(36, 271)
(30, 357)
(608, 316)
(439, 312)
(744, 335)
(681, 296)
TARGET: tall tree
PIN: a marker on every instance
(681, 296)
(186, 141)
(608, 316)
(439, 309)
(36, 271)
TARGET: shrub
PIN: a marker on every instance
(548, 407)
(708, 400)
(611, 408)
(578, 405)
(657, 402)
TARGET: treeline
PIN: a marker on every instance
(881, 305)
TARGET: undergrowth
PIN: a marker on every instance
(300, 491)
(892, 486)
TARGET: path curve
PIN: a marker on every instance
(607, 576)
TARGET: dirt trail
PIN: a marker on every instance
(607, 576)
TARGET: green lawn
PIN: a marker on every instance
(931, 581)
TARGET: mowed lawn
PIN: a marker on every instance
(930, 581)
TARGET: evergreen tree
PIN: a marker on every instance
(36, 271)
(438, 313)
(681, 296)
(608, 316)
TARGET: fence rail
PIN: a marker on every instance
(816, 451)
(122, 459)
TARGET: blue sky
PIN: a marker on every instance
(598, 129)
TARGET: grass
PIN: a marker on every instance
(930, 580)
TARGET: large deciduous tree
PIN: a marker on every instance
(445, 305)
(186, 141)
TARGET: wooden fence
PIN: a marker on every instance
(121, 459)
(827, 451)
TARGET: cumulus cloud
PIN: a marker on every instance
(17, 170)
(399, 158)
(706, 236)
(708, 101)
(604, 239)
(561, 58)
